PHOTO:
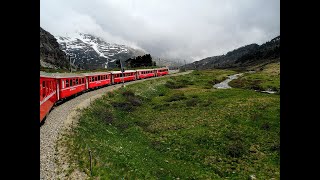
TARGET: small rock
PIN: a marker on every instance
(252, 177)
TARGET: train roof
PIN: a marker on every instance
(126, 71)
(45, 74)
(162, 68)
(145, 69)
(95, 73)
(60, 75)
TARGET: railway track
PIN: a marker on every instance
(60, 119)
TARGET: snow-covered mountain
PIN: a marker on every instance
(91, 52)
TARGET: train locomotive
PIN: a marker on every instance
(56, 87)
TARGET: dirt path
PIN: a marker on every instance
(60, 119)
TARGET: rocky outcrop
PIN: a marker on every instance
(51, 56)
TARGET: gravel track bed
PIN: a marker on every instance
(55, 123)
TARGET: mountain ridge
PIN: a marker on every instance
(244, 56)
(91, 52)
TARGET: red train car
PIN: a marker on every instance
(129, 75)
(48, 93)
(145, 73)
(162, 71)
(70, 84)
(97, 79)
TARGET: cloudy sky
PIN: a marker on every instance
(183, 29)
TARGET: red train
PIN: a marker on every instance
(58, 86)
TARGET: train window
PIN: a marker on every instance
(98, 78)
(83, 81)
(71, 82)
(43, 88)
(76, 81)
(67, 82)
(80, 81)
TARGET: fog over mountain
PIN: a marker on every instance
(190, 30)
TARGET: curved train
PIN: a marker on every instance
(55, 87)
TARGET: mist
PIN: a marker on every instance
(176, 29)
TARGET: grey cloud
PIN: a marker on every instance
(170, 29)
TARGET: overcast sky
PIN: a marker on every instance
(184, 29)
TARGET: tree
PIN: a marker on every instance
(118, 63)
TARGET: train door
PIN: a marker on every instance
(87, 81)
(58, 87)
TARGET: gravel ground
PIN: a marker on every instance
(59, 120)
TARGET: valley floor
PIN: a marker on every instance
(182, 128)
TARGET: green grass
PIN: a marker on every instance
(267, 77)
(151, 131)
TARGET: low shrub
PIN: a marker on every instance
(235, 149)
(192, 102)
(128, 93)
(124, 106)
(176, 97)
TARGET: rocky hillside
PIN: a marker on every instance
(242, 57)
(91, 52)
(51, 56)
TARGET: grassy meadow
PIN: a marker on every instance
(181, 128)
(266, 78)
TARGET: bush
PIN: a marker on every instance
(162, 94)
(135, 101)
(206, 103)
(196, 72)
(128, 93)
(176, 97)
(173, 85)
(192, 102)
(235, 149)
(124, 106)
(265, 126)
(234, 135)
(102, 113)
(161, 106)
(181, 83)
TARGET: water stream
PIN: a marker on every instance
(225, 84)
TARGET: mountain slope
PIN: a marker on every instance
(51, 56)
(90, 52)
(248, 55)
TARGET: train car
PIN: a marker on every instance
(129, 75)
(48, 93)
(69, 84)
(97, 79)
(145, 73)
(162, 71)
